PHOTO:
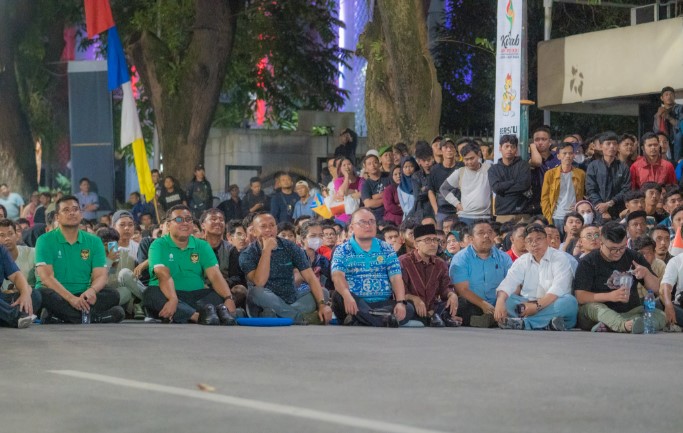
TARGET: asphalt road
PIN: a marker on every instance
(137, 377)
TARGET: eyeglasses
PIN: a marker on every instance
(534, 241)
(614, 250)
(180, 219)
(239, 235)
(592, 236)
(366, 223)
(330, 235)
(429, 240)
(74, 209)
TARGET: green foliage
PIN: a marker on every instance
(320, 130)
(299, 40)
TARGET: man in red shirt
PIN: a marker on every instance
(650, 167)
(427, 283)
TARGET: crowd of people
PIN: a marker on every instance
(434, 235)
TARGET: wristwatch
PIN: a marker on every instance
(228, 297)
(403, 301)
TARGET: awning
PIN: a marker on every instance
(610, 71)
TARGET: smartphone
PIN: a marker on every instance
(113, 247)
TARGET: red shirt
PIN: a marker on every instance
(512, 255)
(661, 172)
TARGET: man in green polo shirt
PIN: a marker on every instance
(71, 272)
(179, 263)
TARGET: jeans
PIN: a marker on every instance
(61, 309)
(8, 314)
(130, 287)
(365, 310)
(564, 306)
(260, 298)
(188, 302)
(592, 313)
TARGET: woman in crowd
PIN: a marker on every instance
(347, 184)
(392, 208)
(406, 197)
(171, 194)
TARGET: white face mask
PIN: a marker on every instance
(587, 218)
(579, 158)
(314, 243)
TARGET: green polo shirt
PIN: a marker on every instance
(72, 263)
(186, 265)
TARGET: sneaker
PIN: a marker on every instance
(25, 321)
(600, 327)
(350, 320)
(483, 321)
(637, 326)
(390, 321)
(208, 316)
(299, 320)
(435, 321)
(226, 319)
(511, 323)
(46, 318)
(112, 315)
(672, 327)
(557, 324)
(138, 312)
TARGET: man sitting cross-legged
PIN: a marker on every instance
(545, 300)
(179, 263)
(366, 273)
(269, 265)
(428, 286)
(70, 265)
(607, 304)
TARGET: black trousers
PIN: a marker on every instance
(467, 310)
(365, 310)
(60, 308)
(188, 302)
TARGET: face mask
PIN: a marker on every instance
(579, 158)
(587, 218)
(314, 243)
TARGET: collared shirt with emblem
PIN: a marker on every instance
(186, 265)
(428, 280)
(367, 272)
(72, 263)
(553, 274)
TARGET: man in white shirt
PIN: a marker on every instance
(545, 300)
(472, 181)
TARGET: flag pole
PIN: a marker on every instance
(156, 209)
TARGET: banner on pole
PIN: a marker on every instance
(508, 70)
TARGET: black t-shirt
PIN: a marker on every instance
(170, 199)
(437, 176)
(371, 187)
(594, 271)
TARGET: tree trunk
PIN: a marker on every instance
(402, 95)
(184, 110)
(17, 155)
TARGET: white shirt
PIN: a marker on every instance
(566, 198)
(26, 262)
(552, 275)
(673, 274)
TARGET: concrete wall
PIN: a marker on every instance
(269, 150)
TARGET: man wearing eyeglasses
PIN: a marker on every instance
(604, 303)
(269, 265)
(367, 274)
(545, 275)
(589, 240)
(428, 285)
(71, 271)
(180, 264)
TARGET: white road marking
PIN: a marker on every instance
(281, 409)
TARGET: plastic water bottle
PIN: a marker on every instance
(85, 317)
(648, 312)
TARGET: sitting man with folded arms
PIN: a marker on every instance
(545, 300)
(16, 306)
(604, 303)
(366, 273)
(428, 286)
(179, 263)
(476, 272)
(269, 265)
(72, 273)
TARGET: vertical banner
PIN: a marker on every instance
(508, 70)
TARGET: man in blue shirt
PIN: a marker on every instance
(366, 273)
(476, 272)
(18, 304)
(269, 265)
